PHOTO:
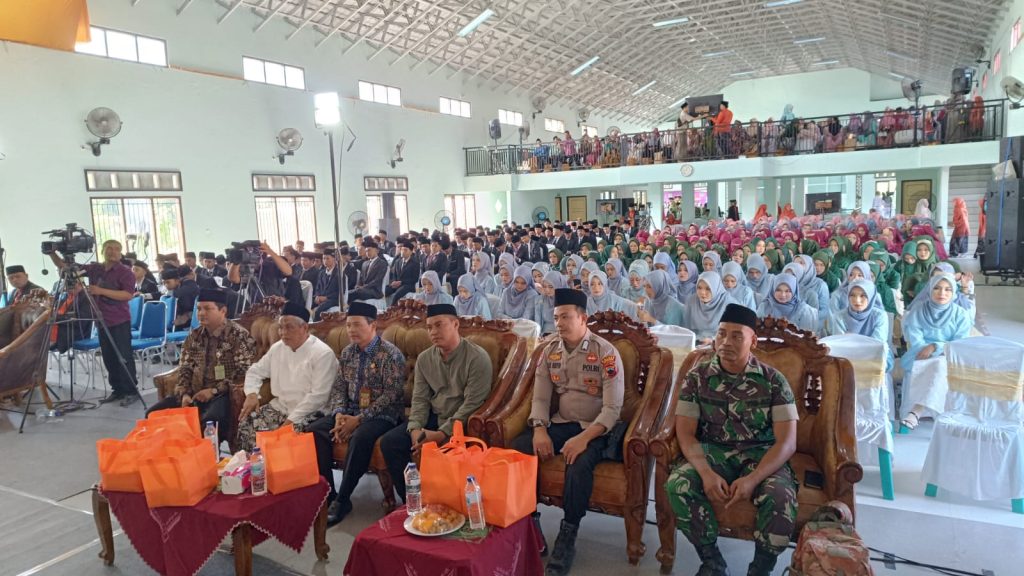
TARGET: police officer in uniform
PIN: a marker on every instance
(580, 374)
(736, 423)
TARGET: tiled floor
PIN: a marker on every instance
(45, 526)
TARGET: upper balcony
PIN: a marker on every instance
(961, 134)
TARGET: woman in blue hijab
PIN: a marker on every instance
(616, 273)
(857, 270)
(519, 299)
(703, 310)
(662, 261)
(962, 300)
(735, 282)
(471, 301)
(686, 280)
(506, 273)
(433, 292)
(927, 328)
(544, 308)
(661, 306)
(602, 298)
(864, 315)
(483, 273)
(784, 302)
(571, 266)
(758, 277)
(813, 289)
(711, 261)
(634, 289)
(588, 268)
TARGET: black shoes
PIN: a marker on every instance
(114, 397)
(129, 400)
(712, 562)
(536, 523)
(337, 511)
(565, 550)
(763, 564)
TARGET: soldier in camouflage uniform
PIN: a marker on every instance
(736, 424)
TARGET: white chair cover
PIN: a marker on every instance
(926, 385)
(527, 329)
(680, 341)
(874, 426)
(977, 446)
(307, 292)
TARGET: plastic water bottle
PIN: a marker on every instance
(258, 473)
(413, 498)
(210, 433)
(474, 504)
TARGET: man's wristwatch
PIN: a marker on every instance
(538, 423)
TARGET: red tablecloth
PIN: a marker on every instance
(177, 541)
(386, 549)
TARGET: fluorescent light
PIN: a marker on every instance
(645, 87)
(897, 75)
(898, 55)
(743, 73)
(327, 111)
(584, 66)
(808, 40)
(825, 63)
(714, 54)
(475, 23)
(671, 22)
(778, 3)
(678, 102)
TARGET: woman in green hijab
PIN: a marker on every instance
(823, 269)
(774, 261)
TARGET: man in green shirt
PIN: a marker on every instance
(453, 379)
(736, 425)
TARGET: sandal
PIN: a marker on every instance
(910, 421)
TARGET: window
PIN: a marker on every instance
(256, 70)
(510, 118)
(380, 93)
(454, 107)
(124, 46)
(588, 130)
(281, 220)
(463, 206)
(1015, 35)
(283, 183)
(374, 211)
(826, 184)
(885, 187)
(145, 226)
(131, 181)
(997, 62)
(552, 125)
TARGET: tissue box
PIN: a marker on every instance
(235, 482)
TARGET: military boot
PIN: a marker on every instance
(544, 541)
(711, 561)
(564, 552)
(763, 564)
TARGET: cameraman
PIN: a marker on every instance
(268, 279)
(112, 284)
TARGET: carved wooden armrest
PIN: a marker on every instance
(654, 405)
(165, 383)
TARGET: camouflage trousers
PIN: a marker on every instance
(264, 419)
(774, 498)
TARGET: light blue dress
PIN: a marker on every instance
(476, 304)
(931, 323)
(741, 293)
(795, 311)
(544, 306)
(515, 304)
(663, 307)
(609, 300)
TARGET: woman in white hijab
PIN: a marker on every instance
(602, 298)
(704, 309)
(735, 282)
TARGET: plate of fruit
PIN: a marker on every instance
(434, 520)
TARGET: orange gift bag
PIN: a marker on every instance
(188, 416)
(181, 473)
(508, 479)
(290, 458)
(119, 461)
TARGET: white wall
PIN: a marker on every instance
(1012, 65)
(199, 117)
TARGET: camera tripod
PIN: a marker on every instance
(65, 294)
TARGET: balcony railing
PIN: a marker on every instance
(963, 122)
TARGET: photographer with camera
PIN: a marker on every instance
(264, 268)
(112, 284)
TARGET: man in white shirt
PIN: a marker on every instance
(301, 369)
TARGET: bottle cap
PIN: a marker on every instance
(255, 450)
(209, 422)
(470, 478)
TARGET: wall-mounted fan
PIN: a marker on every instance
(582, 115)
(396, 156)
(614, 131)
(540, 214)
(104, 124)
(443, 220)
(524, 132)
(289, 140)
(358, 223)
(538, 103)
(1014, 90)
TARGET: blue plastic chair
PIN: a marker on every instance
(179, 336)
(152, 334)
(135, 306)
(90, 347)
(172, 307)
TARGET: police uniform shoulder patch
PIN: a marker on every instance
(592, 357)
(555, 356)
(608, 362)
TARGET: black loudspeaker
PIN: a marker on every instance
(494, 129)
(1003, 244)
(1016, 152)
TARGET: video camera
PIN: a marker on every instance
(72, 240)
(244, 253)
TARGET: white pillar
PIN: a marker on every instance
(799, 195)
(687, 202)
(750, 197)
(785, 196)
(655, 196)
(712, 197)
(940, 200)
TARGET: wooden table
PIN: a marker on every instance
(241, 536)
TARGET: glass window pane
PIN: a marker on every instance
(275, 73)
(394, 96)
(266, 220)
(446, 106)
(252, 69)
(152, 51)
(373, 211)
(465, 110)
(366, 91)
(305, 214)
(402, 211)
(121, 46)
(295, 77)
(97, 46)
(107, 220)
(470, 211)
(380, 94)
(287, 227)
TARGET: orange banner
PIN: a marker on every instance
(57, 24)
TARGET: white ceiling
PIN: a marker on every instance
(529, 47)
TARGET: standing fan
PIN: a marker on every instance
(912, 91)
(289, 140)
(443, 219)
(358, 223)
(1014, 91)
(614, 131)
(540, 214)
(104, 124)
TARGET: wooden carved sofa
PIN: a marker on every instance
(23, 348)
(404, 325)
(824, 389)
(620, 488)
